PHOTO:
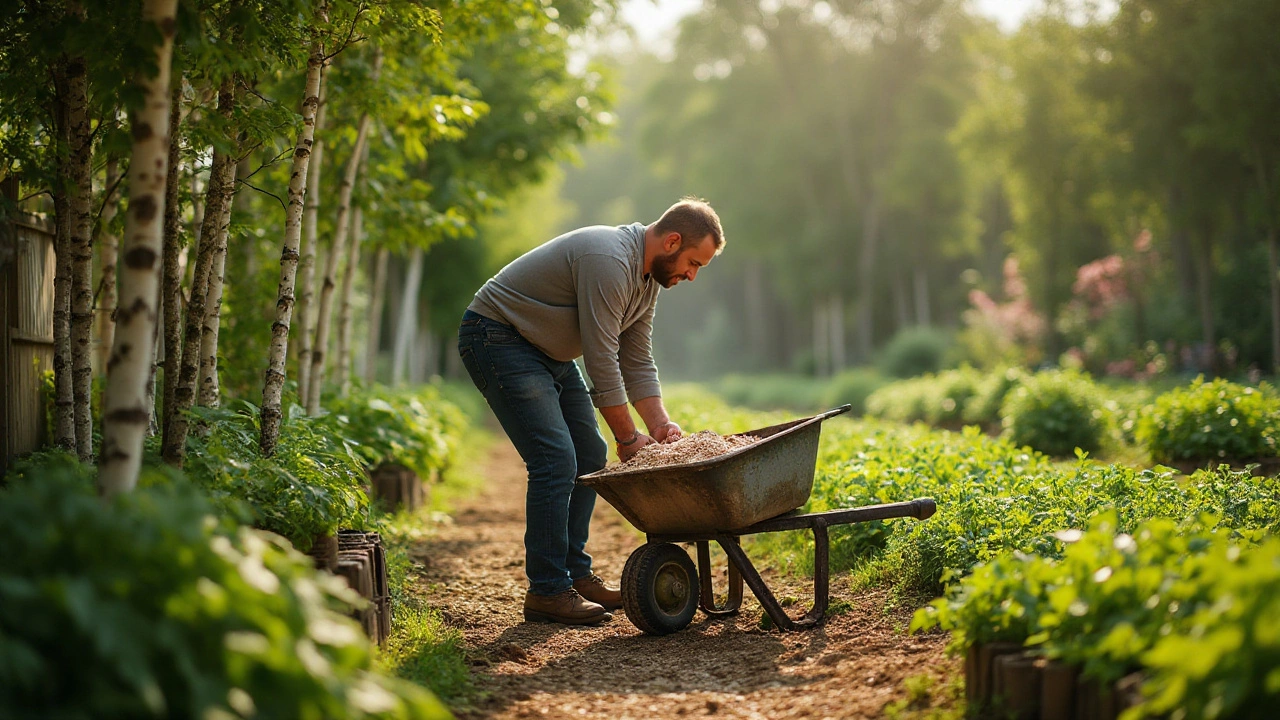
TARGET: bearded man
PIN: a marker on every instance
(589, 293)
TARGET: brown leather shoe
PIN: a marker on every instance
(568, 608)
(592, 587)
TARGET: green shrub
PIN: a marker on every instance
(1211, 420)
(983, 407)
(311, 486)
(1056, 412)
(852, 387)
(914, 351)
(936, 399)
(772, 392)
(1196, 608)
(415, 428)
(146, 606)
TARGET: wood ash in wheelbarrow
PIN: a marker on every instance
(702, 445)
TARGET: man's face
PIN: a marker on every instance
(677, 264)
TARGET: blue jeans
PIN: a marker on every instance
(544, 408)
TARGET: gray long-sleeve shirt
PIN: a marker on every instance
(584, 294)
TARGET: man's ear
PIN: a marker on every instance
(671, 241)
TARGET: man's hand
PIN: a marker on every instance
(628, 447)
(667, 432)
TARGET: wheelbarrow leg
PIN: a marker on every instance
(821, 581)
(708, 599)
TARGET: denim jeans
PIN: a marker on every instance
(544, 408)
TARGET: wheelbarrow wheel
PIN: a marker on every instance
(660, 588)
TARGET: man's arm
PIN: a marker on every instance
(628, 438)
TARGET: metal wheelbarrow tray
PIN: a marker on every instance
(754, 489)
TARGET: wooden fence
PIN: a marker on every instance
(26, 332)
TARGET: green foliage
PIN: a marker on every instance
(1056, 412)
(936, 399)
(852, 387)
(914, 351)
(1193, 605)
(983, 407)
(1212, 420)
(415, 428)
(772, 392)
(311, 486)
(146, 606)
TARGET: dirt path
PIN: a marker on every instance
(849, 668)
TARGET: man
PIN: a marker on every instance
(588, 293)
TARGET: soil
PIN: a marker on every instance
(473, 570)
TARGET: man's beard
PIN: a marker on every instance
(664, 269)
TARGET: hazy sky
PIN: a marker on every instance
(653, 18)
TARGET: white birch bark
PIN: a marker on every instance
(407, 320)
(344, 349)
(109, 255)
(64, 392)
(337, 249)
(81, 201)
(273, 384)
(307, 263)
(125, 416)
(171, 278)
(377, 298)
(221, 185)
(209, 390)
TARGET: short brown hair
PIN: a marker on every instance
(694, 219)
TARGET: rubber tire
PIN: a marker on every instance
(640, 578)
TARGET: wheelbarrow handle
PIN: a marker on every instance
(923, 508)
(832, 413)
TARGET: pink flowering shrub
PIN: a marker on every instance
(1004, 332)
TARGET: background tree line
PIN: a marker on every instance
(1093, 187)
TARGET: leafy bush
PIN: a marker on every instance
(1056, 412)
(914, 351)
(983, 407)
(773, 392)
(852, 387)
(146, 606)
(1195, 606)
(936, 399)
(416, 428)
(1211, 420)
(311, 486)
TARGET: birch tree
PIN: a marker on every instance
(125, 415)
(348, 284)
(336, 251)
(218, 197)
(373, 322)
(307, 263)
(80, 201)
(273, 385)
(109, 253)
(171, 289)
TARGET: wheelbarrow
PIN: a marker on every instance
(754, 489)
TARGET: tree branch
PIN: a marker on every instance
(355, 19)
(283, 204)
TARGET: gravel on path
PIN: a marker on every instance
(473, 570)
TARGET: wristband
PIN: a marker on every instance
(634, 438)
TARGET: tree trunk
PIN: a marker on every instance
(273, 384)
(325, 305)
(821, 340)
(377, 297)
(921, 284)
(867, 275)
(81, 203)
(209, 391)
(835, 316)
(110, 256)
(344, 348)
(757, 311)
(307, 265)
(64, 389)
(221, 185)
(125, 416)
(901, 305)
(407, 320)
(1204, 297)
(171, 289)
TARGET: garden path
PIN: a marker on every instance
(851, 667)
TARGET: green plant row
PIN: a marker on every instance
(313, 485)
(1057, 412)
(1194, 604)
(151, 605)
(993, 497)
